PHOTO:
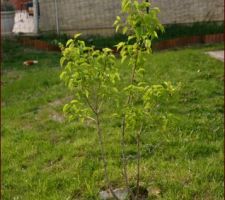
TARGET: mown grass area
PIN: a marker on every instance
(44, 157)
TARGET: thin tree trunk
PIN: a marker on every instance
(100, 139)
(138, 161)
(104, 157)
(123, 134)
(124, 158)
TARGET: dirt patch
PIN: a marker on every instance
(12, 76)
(51, 111)
(60, 102)
(57, 117)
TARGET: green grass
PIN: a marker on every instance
(45, 158)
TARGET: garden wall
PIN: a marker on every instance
(97, 16)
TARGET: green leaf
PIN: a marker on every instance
(86, 93)
(117, 28)
(148, 44)
(125, 5)
(125, 30)
(65, 108)
(115, 23)
(136, 4)
(107, 50)
(120, 45)
(77, 35)
(69, 42)
(131, 37)
(156, 9)
(115, 89)
(141, 70)
(62, 60)
(62, 75)
(123, 59)
(155, 34)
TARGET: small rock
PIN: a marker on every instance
(121, 193)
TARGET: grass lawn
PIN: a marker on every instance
(44, 157)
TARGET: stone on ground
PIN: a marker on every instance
(121, 193)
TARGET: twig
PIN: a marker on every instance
(90, 105)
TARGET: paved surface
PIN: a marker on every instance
(217, 54)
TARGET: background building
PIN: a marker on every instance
(97, 16)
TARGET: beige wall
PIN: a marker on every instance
(189, 11)
(97, 16)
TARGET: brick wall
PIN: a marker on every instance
(97, 16)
